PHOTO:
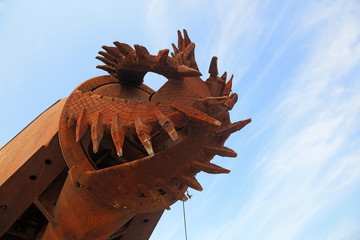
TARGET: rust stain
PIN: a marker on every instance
(130, 152)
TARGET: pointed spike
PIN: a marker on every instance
(143, 135)
(223, 77)
(221, 151)
(166, 124)
(106, 68)
(209, 168)
(196, 114)
(189, 181)
(81, 125)
(162, 56)
(186, 38)
(176, 50)
(171, 189)
(233, 127)
(189, 49)
(187, 71)
(180, 41)
(106, 61)
(214, 100)
(228, 86)
(71, 122)
(213, 69)
(172, 55)
(231, 101)
(107, 56)
(123, 48)
(141, 51)
(97, 132)
(112, 51)
(117, 134)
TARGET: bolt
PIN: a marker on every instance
(79, 185)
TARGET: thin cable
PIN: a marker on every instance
(184, 221)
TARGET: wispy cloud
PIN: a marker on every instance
(157, 23)
(299, 63)
(309, 160)
(347, 230)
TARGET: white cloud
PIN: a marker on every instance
(309, 159)
(158, 25)
(348, 230)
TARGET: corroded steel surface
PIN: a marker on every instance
(37, 134)
(132, 152)
(28, 164)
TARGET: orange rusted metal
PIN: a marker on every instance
(130, 152)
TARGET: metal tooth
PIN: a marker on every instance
(196, 114)
(112, 51)
(180, 41)
(176, 50)
(117, 134)
(213, 69)
(143, 135)
(141, 51)
(107, 56)
(162, 56)
(190, 48)
(188, 71)
(106, 68)
(209, 168)
(233, 127)
(231, 101)
(223, 77)
(106, 61)
(97, 132)
(228, 87)
(189, 56)
(123, 48)
(81, 125)
(190, 181)
(187, 40)
(71, 122)
(166, 124)
(221, 151)
(214, 100)
(172, 189)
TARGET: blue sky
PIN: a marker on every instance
(297, 73)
